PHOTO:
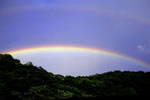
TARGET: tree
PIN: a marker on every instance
(28, 82)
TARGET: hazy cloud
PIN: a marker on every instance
(144, 48)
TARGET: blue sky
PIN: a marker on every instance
(116, 25)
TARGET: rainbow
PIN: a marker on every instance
(73, 48)
(88, 10)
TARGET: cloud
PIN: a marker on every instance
(144, 48)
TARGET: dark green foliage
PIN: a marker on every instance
(28, 82)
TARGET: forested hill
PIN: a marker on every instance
(28, 82)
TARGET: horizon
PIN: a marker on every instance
(88, 60)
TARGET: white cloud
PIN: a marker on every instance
(144, 48)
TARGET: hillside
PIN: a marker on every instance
(28, 82)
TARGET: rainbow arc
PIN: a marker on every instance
(82, 49)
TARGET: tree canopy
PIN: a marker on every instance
(28, 82)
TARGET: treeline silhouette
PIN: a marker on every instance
(28, 82)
